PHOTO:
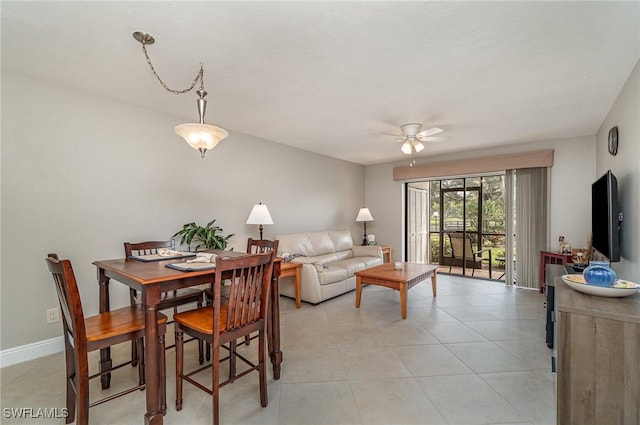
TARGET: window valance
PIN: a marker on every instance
(512, 161)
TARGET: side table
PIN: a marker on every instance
(288, 269)
(551, 257)
(386, 253)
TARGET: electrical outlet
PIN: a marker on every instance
(53, 315)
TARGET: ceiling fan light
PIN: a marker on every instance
(406, 148)
(419, 147)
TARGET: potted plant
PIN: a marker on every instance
(209, 236)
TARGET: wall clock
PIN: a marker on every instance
(613, 140)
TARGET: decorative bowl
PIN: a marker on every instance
(620, 288)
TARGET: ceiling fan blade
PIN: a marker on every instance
(386, 133)
(430, 132)
(433, 139)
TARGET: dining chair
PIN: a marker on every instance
(169, 300)
(254, 246)
(220, 323)
(258, 246)
(85, 334)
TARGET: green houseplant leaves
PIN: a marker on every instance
(208, 237)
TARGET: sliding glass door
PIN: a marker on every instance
(455, 223)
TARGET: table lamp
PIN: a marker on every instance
(364, 215)
(260, 215)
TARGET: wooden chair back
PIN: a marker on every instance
(259, 246)
(145, 248)
(249, 293)
(73, 322)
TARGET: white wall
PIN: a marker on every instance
(82, 174)
(570, 191)
(625, 113)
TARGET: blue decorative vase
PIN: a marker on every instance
(598, 273)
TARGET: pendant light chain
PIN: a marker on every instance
(199, 76)
(200, 136)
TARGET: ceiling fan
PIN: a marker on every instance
(412, 137)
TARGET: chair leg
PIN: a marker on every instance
(140, 344)
(133, 296)
(82, 413)
(179, 365)
(262, 371)
(163, 374)
(71, 401)
(215, 387)
(232, 360)
(71, 392)
(200, 342)
(134, 354)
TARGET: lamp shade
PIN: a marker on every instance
(202, 137)
(259, 215)
(406, 148)
(364, 215)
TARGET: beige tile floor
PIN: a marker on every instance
(475, 354)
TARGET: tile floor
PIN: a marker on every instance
(475, 354)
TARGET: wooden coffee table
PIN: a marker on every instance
(400, 280)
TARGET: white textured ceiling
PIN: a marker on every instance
(331, 77)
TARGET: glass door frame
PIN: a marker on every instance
(478, 232)
(494, 239)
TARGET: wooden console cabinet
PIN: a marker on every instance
(551, 257)
(598, 358)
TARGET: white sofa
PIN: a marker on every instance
(329, 260)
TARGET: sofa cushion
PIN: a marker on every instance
(321, 243)
(351, 265)
(370, 261)
(342, 240)
(332, 274)
(341, 255)
(295, 243)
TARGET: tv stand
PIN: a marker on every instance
(598, 369)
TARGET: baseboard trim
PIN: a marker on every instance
(31, 351)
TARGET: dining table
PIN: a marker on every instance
(152, 278)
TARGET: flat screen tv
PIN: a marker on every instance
(605, 221)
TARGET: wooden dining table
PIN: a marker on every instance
(152, 279)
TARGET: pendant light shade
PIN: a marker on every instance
(202, 137)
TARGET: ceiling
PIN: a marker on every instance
(333, 77)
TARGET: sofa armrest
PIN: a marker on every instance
(367, 251)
